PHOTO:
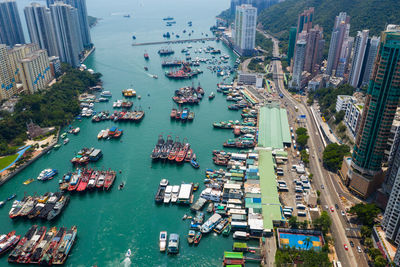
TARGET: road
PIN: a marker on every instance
(329, 195)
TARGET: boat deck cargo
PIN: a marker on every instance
(199, 204)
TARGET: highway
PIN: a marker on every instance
(330, 194)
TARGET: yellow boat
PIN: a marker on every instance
(28, 181)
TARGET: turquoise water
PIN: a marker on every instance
(111, 222)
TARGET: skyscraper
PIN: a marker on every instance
(344, 59)
(292, 44)
(298, 63)
(40, 28)
(16, 54)
(67, 32)
(372, 50)
(10, 24)
(80, 6)
(305, 20)
(313, 54)
(381, 102)
(245, 29)
(360, 46)
(340, 33)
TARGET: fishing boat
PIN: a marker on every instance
(210, 223)
(31, 244)
(146, 56)
(227, 230)
(198, 220)
(157, 149)
(18, 250)
(189, 155)
(191, 236)
(11, 197)
(84, 180)
(221, 226)
(173, 113)
(62, 252)
(180, 157)
(191, 115)
(47, 258)
(75, 179)
(100, 180)
(93, 180)
(159, 198)
(109, 180)
(178, 115)
(58, 208)
(129, 92)
(185, 114)
(166, 148)
(197, 238)
(175, 149)
(15, 208)
(211, 96)
(47, 174)
(118, 133)
(42, 246)
(163, 240)
(8, 242)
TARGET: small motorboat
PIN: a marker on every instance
(2, 203)
(163, 241)
(66, 140)
(121, 186)
(128, 253)
(197, 238)
(191, 236)
(28, 181)
(155, 76)
(146, 68)
(194, 164)
(11, 197)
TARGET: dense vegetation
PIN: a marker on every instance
(264, 43)
(366, 213)
(257, 65)
(327, 97)
(301, 137)
(333, 156)
(56, 106)
(365, 14)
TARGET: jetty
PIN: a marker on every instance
(176, 41)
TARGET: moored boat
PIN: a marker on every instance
(191, 236)
(210, 223)
(163, 241)
(109, 180)
(62, 252)
(197, 238)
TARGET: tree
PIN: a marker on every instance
(366, 231)
(304, 156)
(368, 242)
(293, 222)
(307, 241)
(302, 137)
(304, 224)
(323, 223)
(333, 156)
(366, 213)
(374, 252)
(380, 261)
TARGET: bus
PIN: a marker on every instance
(301, 214)
(287, 214)
(287, 208)
(300, 207)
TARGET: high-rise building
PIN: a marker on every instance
(360, 47)
(298, 63)
(292, 44)
(259, 4)
(313, 55)
(372, 50)
(17, 53)
(305, 20)
(67, 32)
(80, 6)
(35, 71)
(344, 59)
(40, 28)
(10, 24)
(381, 102)
(7, 80)
(340, 33)
(245, 29)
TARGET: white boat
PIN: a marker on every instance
(106, 94)
(66, 140)
(240, 235)
(163, 240)
(128, 253)
(76, 130)
(105, 133)
(115, 104)
(164, 182)
(100, 135)
(167, 195)
(210, 223)
(175, 193)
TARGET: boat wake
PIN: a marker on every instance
(126, 262)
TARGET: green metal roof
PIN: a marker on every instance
(233, 255)
(239, 245)
(273, 127)
(271, 206)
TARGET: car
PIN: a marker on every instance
(322, 186)
(346, 247)
(326, 207)
(352, 244)
(343, 213)
(337, 206)
(332, 209)
(359, 249)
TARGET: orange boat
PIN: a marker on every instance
(75, 180)
(110, 177)
(175, 149)
(84, 181)
(182, 153)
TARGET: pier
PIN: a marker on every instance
(177, 41)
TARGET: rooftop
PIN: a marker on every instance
(273, 127)
(271, 206)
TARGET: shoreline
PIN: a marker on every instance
(88, 54)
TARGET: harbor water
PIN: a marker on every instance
(111, 222)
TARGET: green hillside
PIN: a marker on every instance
(365, 14)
